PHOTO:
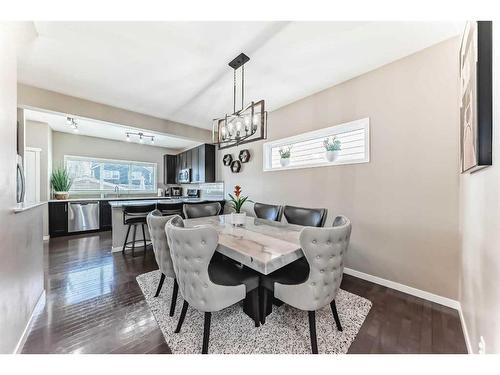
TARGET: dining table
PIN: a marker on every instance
(262, 245)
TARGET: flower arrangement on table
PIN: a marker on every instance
(236, 202)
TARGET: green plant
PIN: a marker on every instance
(60, 180)
(285, 152)
(237, 200)
(332, 144)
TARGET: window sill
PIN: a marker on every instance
(326, 164)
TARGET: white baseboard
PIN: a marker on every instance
(465, 331)
(38, 307)
(46, 238)
(405, 289)
(116, 249)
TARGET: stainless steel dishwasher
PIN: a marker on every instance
(83, 216)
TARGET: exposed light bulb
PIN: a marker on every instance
(68, 121)
(152, 140)
(128, 137)
(238, 126)
(256, 119)
(140, 138)
(75, 129)
(247, 121)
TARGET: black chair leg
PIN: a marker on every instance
(181, 318)
(126, 239)
(312, 331)
(206, 333)
(144, 239)
(263, 305)
(336, 315)
(174, 297)
(160, 284)
(255, 306)
(133, 240)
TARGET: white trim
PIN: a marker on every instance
(38, 307)
(405, 289)
(46, 238)
(116, 249)
(465, 331)
(361, 124)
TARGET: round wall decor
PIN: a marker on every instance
(244, 156)
(235, 166)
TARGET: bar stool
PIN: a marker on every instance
(170, 208)
(134, 215)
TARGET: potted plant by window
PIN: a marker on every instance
(61, 183)
(285, 153)
(237, 201)
(332, 147)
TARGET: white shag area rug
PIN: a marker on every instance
(233, 332)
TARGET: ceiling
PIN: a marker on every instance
(178, 70)
(106, 130)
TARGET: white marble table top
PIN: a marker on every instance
(262, 245)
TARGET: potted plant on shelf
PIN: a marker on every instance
(61, 183)
(237, 201)
(332, 147)
(285, 153)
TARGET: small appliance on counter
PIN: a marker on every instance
(193, 193)
(176, 191)
(160, 192)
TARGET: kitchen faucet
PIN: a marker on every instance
(117, 190)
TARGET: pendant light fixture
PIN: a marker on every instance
(247, 124)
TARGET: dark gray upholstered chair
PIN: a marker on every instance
(156, 225)
(310, 217)
(268, 211)
(204, 284)
(135, 215)
(192, 211)
(315, 287)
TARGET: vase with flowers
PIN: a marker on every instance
(236, 202)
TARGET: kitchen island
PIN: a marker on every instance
(119, 229)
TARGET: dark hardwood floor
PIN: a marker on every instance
(94, 305)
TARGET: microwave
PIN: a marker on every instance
(184, 176)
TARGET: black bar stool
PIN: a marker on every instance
(170, 209)
(134, 215)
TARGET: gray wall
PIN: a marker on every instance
(480, 235)
(80, 145)
(21, 250)
(404, 203)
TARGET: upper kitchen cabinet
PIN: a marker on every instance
(169, 169)
(201, 161)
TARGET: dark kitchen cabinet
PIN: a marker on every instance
(169, 169)
(104, 215)
(58, 218)
(201, 161)
(195, 166)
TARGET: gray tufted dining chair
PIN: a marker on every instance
(156, 225)
(324, 249)
(204, 284)
(192, 211)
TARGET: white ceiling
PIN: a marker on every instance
(178, 70)
(106, 130)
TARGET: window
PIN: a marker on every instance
(308, 150)
(97, 175)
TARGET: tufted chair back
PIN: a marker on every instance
(310, 217)
(268, 211)
(156, 225)
(324, 249)
(201, 210)
(192, 249)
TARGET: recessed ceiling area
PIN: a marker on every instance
(106, 130)
(178, 70)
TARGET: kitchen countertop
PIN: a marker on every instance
(107, 199)
(119, 204)
(21, 207)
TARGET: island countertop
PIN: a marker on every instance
(120, 204)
